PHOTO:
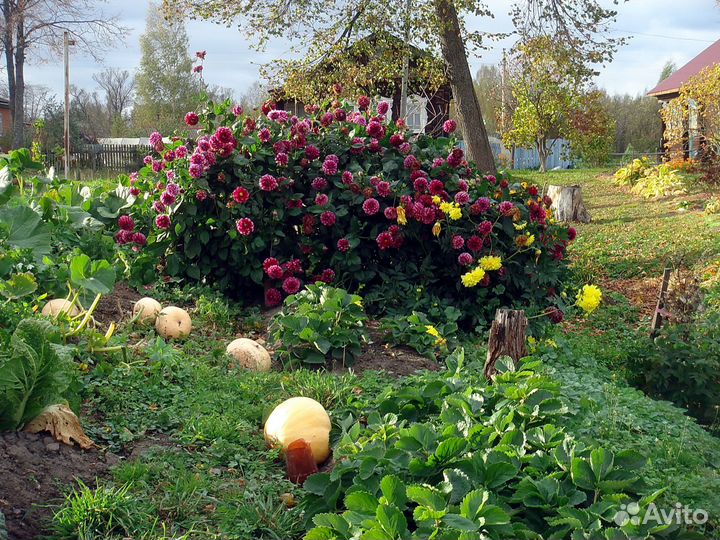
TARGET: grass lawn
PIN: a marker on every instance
(633, 237)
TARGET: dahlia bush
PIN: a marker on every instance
(260, 206)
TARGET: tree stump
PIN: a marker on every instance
(507, 338)
(567, 203)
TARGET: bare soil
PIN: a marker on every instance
(35, 470)
(640, 292)
(396, 361)
(117, 305)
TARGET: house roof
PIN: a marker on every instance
(671, 86)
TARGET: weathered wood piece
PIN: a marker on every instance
(507, 338)
(567, 204)
(657, 319)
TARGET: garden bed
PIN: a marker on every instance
(35, 472)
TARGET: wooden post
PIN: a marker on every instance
(657, 316)
(567, 203)
(507, 338)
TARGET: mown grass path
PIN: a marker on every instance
(632, 237)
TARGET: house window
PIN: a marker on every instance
(417, 114)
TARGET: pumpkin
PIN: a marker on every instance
(59, 305)
(300, 418)
(250, 354)
(146, 310)
(173, 322)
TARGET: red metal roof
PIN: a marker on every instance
(672, 84)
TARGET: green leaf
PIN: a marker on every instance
(18, 285)
(376, 534)
(450, 449)
(496, 474)
(494, 515)
(334, 522)
(35, 372)
(97, 277)
(361, 501)
(426, 496)
(460, 523)
(26, 230)
(473, 503)
(173, 265)
(601, 462)
(317, 483)
(113, 206)
(393, 489)
(320, 533)
(392, 521)
(322, 345)
(6, 184)
(582, 474)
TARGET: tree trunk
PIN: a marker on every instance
(8, 43)
(542, 154)
(567, 203)
(475, 135)
(507, 338)
(19, 120)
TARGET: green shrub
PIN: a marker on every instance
(418, 332)
(318, 325)
(712, 206)
(684, 366)
(633, 171)
(648, 180)
(660, 181)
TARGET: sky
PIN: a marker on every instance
(661, 30)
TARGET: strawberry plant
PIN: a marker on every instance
(457, 458)
(318, 325)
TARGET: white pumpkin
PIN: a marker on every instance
(146, 310)
(300, 418)
(59, 305)
(250, 354)
(173, 322)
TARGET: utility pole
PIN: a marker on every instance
(502, 92)
(66, 127)
(406, 63)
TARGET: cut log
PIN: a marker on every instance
(567, 203)
(507, 338)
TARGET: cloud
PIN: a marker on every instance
(231, 62)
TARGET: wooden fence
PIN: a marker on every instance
(94, 160)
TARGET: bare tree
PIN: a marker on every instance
(119, 86)
(89, 114)
(253, 96)
(34, 29)
(37, 99)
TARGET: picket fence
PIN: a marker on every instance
(102, 159)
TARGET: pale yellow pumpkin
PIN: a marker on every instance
(249, 354)
(173, 322)
(300, 418)
(146, 310)
(59, 305)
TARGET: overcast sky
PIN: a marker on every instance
(662, 30)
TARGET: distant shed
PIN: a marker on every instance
(669, 89)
